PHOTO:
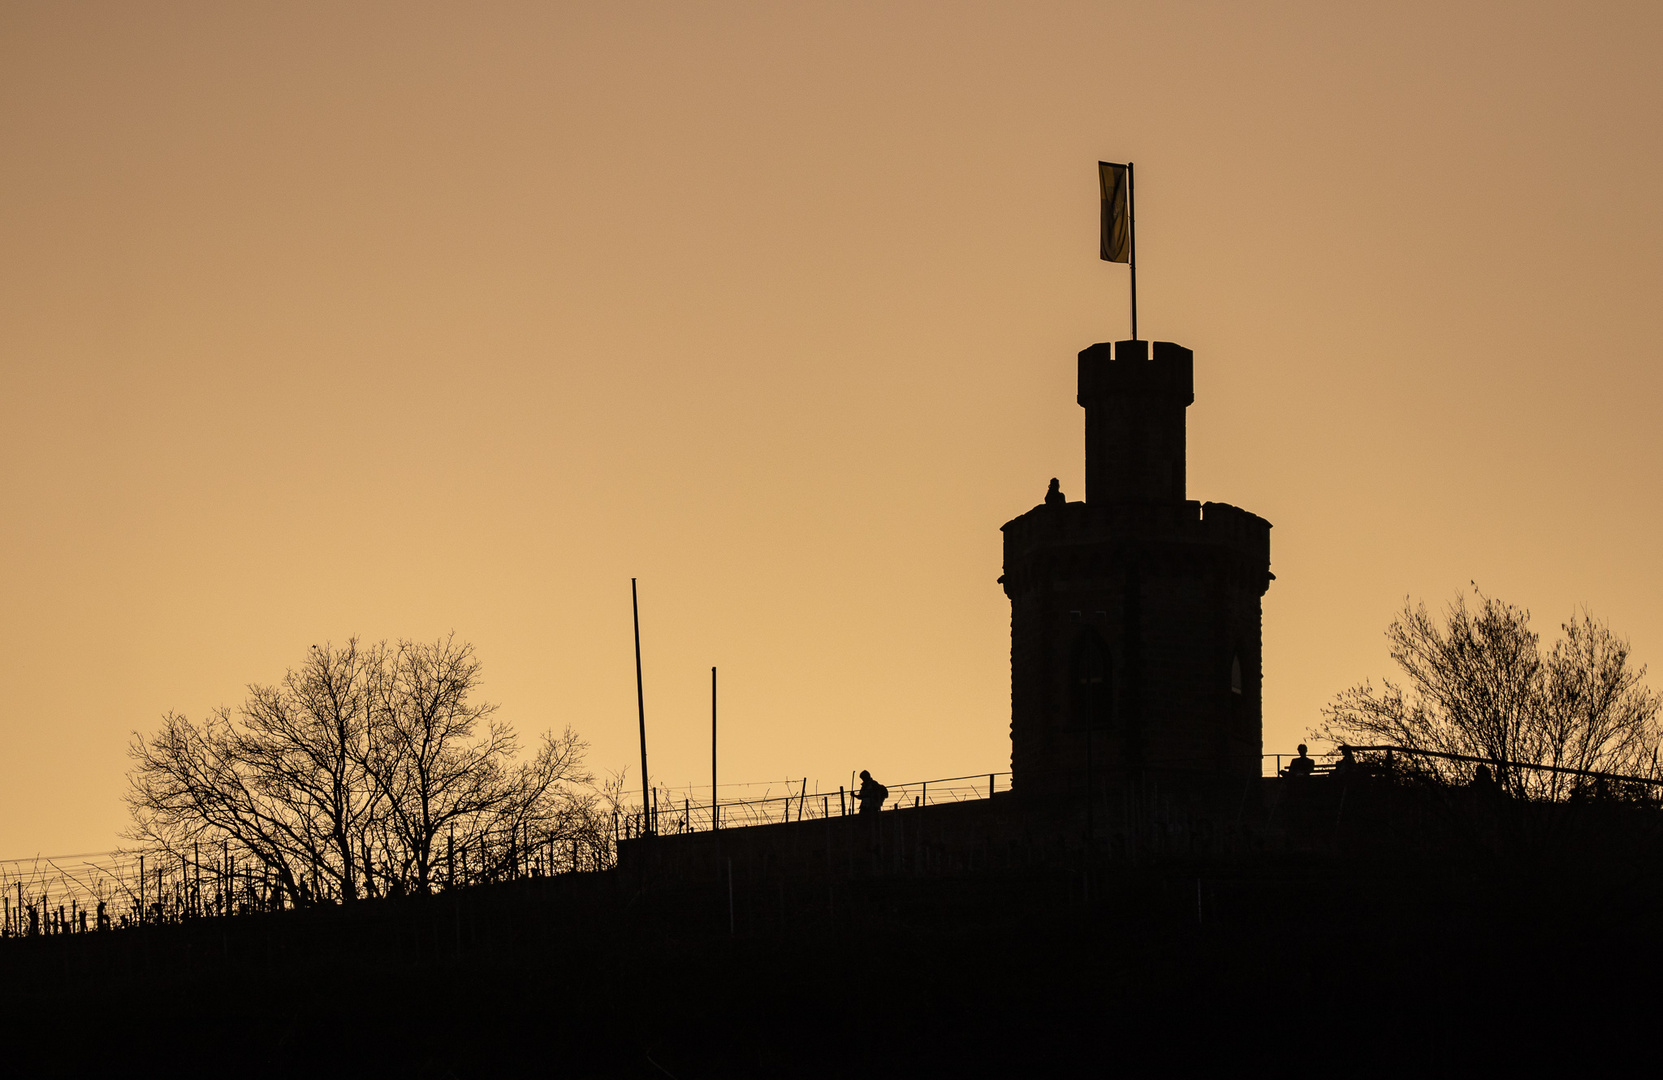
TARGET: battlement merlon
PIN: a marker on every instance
(1135, 406)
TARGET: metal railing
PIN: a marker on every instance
(1408, 759)
(1273, 764)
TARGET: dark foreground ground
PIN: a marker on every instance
(1297, 965)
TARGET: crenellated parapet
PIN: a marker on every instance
(1131, 367)
(1087, 534)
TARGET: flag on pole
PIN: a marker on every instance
(1117, 217)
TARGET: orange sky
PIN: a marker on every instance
(406, 319)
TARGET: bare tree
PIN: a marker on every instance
(443, 762)
(188, 787)
(340, 780)
(1479, 685)
(303, 745)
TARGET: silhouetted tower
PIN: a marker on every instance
(1135, 614)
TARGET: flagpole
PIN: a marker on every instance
(641, 705)
(1132, 228)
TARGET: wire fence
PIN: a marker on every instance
(88, 892)
(674, 811)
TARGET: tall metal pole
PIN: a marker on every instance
(641, 707)
(715, 803)
(1132, 228)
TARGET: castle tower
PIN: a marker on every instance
(1135, 618)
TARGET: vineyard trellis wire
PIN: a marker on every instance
(120, 888)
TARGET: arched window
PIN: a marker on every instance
(1091, 681)
(1235, 674)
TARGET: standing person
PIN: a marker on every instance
(871, 794)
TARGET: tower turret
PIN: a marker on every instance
(1135, 420)
(1135, 615)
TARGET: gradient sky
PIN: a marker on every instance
(396, 320)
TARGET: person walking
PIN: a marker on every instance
(871, 794)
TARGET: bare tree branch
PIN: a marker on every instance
(1479, 685)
